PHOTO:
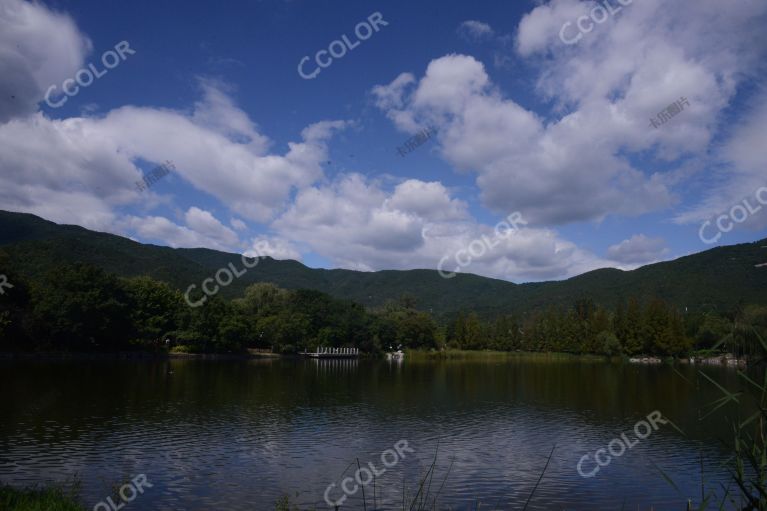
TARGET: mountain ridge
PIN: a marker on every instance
(722, 277)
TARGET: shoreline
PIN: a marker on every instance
(136, 355)
(722, 360)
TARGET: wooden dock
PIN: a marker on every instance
(333, 353)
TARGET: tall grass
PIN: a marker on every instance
(747, 464)
(34, 499)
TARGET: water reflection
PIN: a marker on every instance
(239, 434)
(328, 366)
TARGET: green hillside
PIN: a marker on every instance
(718, 278)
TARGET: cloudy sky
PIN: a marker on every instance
(534, 108)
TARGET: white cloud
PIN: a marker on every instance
(590, 154)
(524, 164)
(540, 28)
(252, 183)
(274, 247)
(357, 224)
(81, 168)
(217, 112)
(207, 225)
(475, 30)
(390, 98)
(579, 162)
(639, 249)
(157, 228)
(238, 224)
(430, 201)
(741, 172)
(38, 48)
(48, 162)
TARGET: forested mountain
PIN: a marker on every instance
(721, 278)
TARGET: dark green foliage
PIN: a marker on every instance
(719, 279)
(80, 307)
(14, 302)
(48, 499)
(75, 289)
(657, 328)
(155, 308)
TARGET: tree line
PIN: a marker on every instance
(82, 308)
(632, 328)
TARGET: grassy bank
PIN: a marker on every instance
(48, 499)
(469, 355)
(58, 499)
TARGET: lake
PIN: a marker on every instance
(239, 434)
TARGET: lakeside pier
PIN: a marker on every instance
(333, 353)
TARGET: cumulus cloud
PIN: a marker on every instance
(274, 247)
(253, 183)
(579, 162)
(201, 230)
(586, 153)
(475, 30)
(49, 162)
(80, 169)
(740, 175)
(38, 48)
(358, 224)
(430, 201)
(238, 224)
(204, 223)
(544, 170)
(217, 112)
(639, 249)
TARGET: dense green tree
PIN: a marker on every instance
(631, 336)
(78, 307)
(14, 306)
(609, 344)
(81, 307)
(155, 308)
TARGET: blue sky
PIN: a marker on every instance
(268, 162)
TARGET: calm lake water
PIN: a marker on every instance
(236, 435)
